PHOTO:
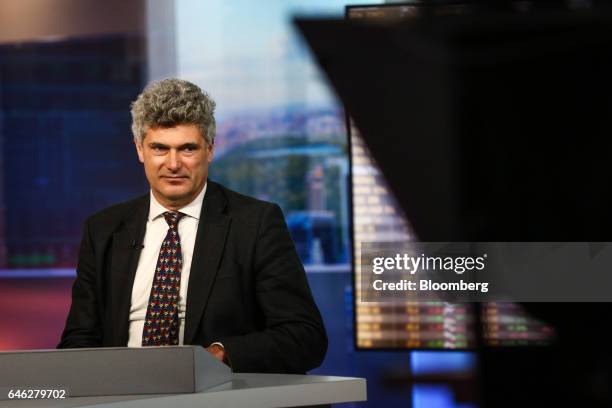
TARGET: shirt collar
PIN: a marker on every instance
(193, 209)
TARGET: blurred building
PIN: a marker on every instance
(315, 231)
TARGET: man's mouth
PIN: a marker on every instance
(174, 179)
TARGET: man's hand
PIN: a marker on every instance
(218, 351)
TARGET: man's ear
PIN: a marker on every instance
(139, 147)
(211, 151)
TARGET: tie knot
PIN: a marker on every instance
(172, 218)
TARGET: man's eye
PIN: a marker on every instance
(158, 149)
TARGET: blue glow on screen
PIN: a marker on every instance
(425, 362)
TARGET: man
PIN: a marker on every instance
(192, 262)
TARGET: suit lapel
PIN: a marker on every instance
(126, 248)
(209, 245)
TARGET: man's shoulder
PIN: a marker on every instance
(238, 199)
(241, 204)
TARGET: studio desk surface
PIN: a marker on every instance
(177, 376)
(243, 390)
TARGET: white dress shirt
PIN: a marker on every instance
(156, 230)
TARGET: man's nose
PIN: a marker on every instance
(173, 161)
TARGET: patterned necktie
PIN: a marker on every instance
(161, 323)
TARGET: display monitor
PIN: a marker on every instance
(377, 218)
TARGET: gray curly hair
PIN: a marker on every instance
(171, 102)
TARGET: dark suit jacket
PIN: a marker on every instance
(247, 287)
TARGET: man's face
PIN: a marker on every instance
(176, 163)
